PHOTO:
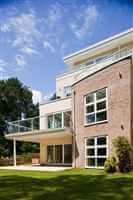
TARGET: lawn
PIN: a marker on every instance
(76, 184)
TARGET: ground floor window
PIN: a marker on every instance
(60, 154)
(95, 151)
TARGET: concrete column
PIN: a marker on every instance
(43, 122)
(43, 153)
(14, 152)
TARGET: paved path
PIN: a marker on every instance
(36, 168)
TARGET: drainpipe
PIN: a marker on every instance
(74, 135)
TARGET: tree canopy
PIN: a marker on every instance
(15, 102)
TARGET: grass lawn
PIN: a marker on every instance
(76, 184)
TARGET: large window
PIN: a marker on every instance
(59, 120)
(59, 153)
(96, 151)
(96, 106)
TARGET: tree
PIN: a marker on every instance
(15, 101)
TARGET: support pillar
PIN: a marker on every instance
(14, 152)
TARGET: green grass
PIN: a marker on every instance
(76, 184)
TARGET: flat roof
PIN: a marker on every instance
(94, 46)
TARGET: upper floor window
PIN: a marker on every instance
(96, 106)
(59, 120)
(67, 91)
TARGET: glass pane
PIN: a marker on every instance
(100, 162)
(90, 119)
(67, 91)
(90, 152)
(100, 94)
(101, 105)
(90, 162)
(101, 116)
(90, 98)
(50, 155)
(67, 153)
(101, 151)
(58, 154)
(58, 120)
(90, 109)
(50, 121)
(67, 119)
(101, 141)
(90, 142)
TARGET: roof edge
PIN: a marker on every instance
(98, 44)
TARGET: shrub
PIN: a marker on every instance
(110, 165)
(122, 151)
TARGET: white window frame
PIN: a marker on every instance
(54, 113)
(95, 147)
(95, 110)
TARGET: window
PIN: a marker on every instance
(67, 91)
(96, 151)
(96, 106)
(55, 121)
(59, 120)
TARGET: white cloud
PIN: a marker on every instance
(25, 28)
(46, 45)
(3, 64)
(29, 51)
(37, 96)
(20, 61)
(4, 28)
(55, 14)
(84, 21)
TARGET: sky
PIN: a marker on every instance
(35, 35)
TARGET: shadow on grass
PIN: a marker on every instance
(66, 187)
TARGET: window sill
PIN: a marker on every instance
(96, 123)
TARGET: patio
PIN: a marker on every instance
(36, 168)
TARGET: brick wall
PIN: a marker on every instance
(117, 79)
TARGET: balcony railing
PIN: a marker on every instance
(48, 122)
(109, 59)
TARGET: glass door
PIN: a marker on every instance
(68, 153)
(58, 153)
(50, 154)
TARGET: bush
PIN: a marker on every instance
(122, 151)
(110, 165)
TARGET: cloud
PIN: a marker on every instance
(20, 61)
(46, 45)
(25, 29)
(55, 14)
(37, 96)
(29, 51)
(3, 64)
(84, 21)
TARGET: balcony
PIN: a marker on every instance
(41, 127)
(97, 64)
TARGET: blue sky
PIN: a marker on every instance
(36, 34)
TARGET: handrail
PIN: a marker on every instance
(84, 67)
(31, 124)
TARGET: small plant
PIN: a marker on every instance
(110, 165)
(122, 151)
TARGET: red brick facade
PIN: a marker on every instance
(117, 79)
